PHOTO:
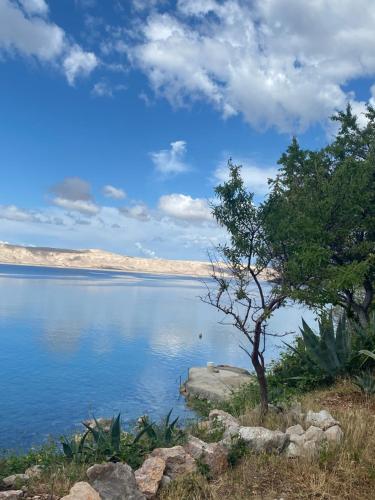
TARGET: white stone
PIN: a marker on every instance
(212, 454)
(295, 429)
(14, 479)
(11, 494)
(322, 419)
(260, 439)
(82, 491)
(314, 434)
(334, 434)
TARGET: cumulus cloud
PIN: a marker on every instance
(79, 63)
(184, 207)
(26, 30)
(278, 63)
(171, 161)
(35, 6)
(74, 193)
(113, 192)
(138, 211)
(254, 176)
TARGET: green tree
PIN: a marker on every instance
(239, 271)
(320, 219)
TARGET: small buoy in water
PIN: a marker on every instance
(200, 335)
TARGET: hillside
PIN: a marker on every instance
(98, 259)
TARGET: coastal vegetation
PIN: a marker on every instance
(313, 238)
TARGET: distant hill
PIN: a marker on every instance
(98, 259)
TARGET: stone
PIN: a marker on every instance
(295, 411)
(294, 450)
(215, 385)
(260, 439)
(34, 471)
(114, 482)
(322, 419)
(165, 481)
(177, 461)
(295, 429)
(82, 491)
(149, 476)
(11, 494)
(310, 449)
(104, 423)
(314, 434)
(212, 454)
(15, 479)
(334, 434)
(231, 425)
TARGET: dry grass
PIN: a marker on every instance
(344, 473)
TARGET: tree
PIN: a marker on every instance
(320, 219)
(239, 273)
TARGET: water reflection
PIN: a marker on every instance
(75, 343)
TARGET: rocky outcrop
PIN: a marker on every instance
(230, 424)
(82, 491)
(114, 482)
(177, 461)
(150, 475)
(214, 455)
(215, 383)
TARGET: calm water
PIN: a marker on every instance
(79, 343)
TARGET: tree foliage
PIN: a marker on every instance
(320, 219)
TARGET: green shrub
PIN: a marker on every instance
(366, 382)
(237, 450)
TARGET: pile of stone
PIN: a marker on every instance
(115, 481)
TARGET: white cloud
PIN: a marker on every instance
(27, 31)
(14, 213)
(35, 6)
(82, 206)
(102, 89)
(278, 63)
(171, 161)
(145, 251)
(184, 207)
(255, 177)
(79, 63)
(138, 211)
(74, 193)
(113, 192)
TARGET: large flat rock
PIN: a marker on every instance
(217, 384)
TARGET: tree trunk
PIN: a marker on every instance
(262, 381)
(258, 365)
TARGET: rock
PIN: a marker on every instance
(15, 479)
(34, 471)
(114, 482)
(212, 454)
(294, 450)
(215, 385)
(11, 494)
(334, 434)
(177, 461)
(149, 476)
(104, 423)
(314, 434)
(231, 425)
(82, 491)
(260, 439)
(295, 429)
(310, 449)
(322, 419)
(165, 480)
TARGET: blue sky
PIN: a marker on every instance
(118, 117)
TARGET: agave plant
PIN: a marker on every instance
(330, 350)
(75, 448)
(106, 442)
(366, 382)
(159, 435)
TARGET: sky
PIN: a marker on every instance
(118, 117)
